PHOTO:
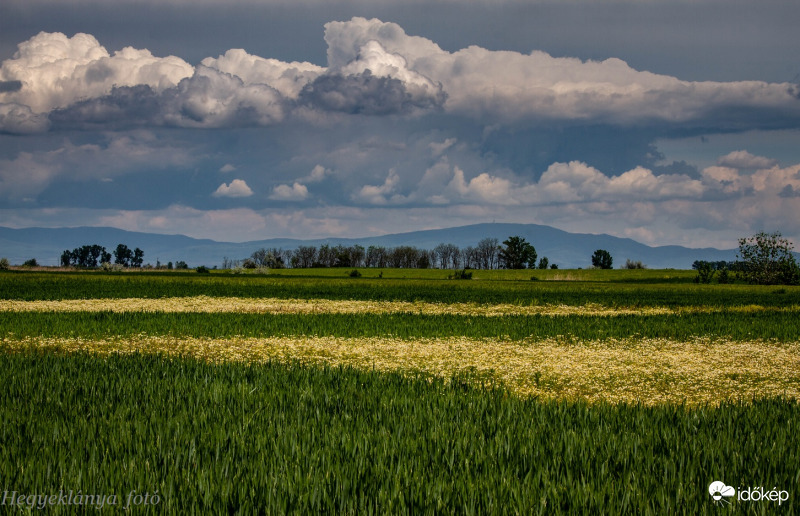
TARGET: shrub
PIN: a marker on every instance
(202, 269)
(4, 264)
(354, 274)
(31, 263)
(111, 267)
(705, 272)
(630, 264)
(462, 274)
(544, 262)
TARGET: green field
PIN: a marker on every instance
(309, 391)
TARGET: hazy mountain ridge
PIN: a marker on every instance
(568, 250)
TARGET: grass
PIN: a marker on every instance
(307, 391)
(634, 370)
(780, 326)
(275, 438)
(648, 290)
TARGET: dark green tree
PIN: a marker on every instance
(601, 259)
(123, 255)
(66, 258)
(544, 262)
(517, 253)
(138, 257)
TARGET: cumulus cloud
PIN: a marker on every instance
(19, 119)
(368, 94)
(743, 159)
(55, 70)
(561, 183)
(236, 188)
(381, 194)
(483, 188)
(317, 174)
(510, 86)
(207, 99)
(287, 78)
(437, 148)
(373, 68)
(226, 168)
(211, 98)
(579, 182)
(295, 192)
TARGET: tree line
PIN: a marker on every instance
(90, 256)
(514, 253)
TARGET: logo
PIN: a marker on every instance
(719, 491)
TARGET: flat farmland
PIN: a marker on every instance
(400, 391)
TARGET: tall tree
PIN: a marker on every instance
(487, 253)
(601, 259)
(138, 257)
(768, 260)
(517, 253)
(123, 255)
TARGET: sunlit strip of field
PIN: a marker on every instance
(206, 304)
(648, 371)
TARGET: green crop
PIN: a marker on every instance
(270, 438)
(638, 290)
(781, 326)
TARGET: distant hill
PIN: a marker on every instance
(568, 250)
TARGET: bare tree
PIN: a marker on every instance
(304, 256)
(487, 252)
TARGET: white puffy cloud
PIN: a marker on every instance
(226, 168)
(510, 86)
(561, 183)
(381, 194)
(576, 181)
(236, 188)
(374, 68)
(286, 78)
(211, 98)
(483, 188)
(295, 192)
(318, 173)
(56, 70)
(743, 159)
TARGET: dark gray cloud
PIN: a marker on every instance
(366, 94)
(124, 107)
(10, 86)
(207, 99)
(788, 192)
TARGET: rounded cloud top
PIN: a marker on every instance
(374, 68)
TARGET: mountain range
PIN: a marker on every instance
(568, 250)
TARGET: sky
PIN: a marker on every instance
(665, 121)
